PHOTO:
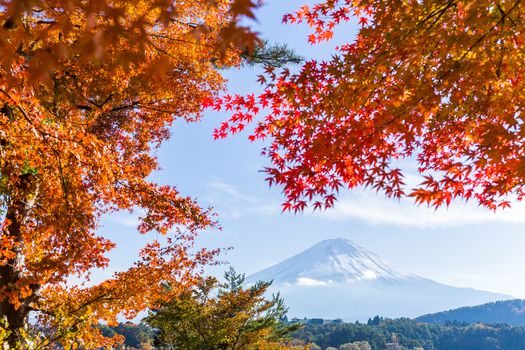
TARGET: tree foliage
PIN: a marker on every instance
(437, 82)
(411, 334)
(88, 90)
(358, 345)
(136, 336)
(273, 55)
(504, 311)
(222, 316)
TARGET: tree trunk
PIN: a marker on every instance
(11, 272)
(17, 321)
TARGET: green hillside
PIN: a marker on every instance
(509, 311)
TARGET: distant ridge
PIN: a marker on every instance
(337, 278)
(508, 311)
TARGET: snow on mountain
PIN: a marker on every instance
(330, 261)
(339, 279)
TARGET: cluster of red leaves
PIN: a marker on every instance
(439, 83)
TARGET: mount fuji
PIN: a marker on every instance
(339, 279)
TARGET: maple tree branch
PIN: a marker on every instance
(124, 107)
(480, 40)
(190, 24)
(440, 15)
(101, 104)
(17, 106)
(51, 22)
(26, 117)
(77, 320)
(421, 99)
(161, 50)
(161, 36)
(46, 342)
(439, 12)
(101, 297)
(63, 183)
(157, 109)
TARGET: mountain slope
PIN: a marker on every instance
(508, 311)
(339, 279)
(331, 261)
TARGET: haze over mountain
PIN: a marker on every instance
(339, 279)
(508, 311)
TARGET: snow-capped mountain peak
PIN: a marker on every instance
(336, 278)
(330, 261)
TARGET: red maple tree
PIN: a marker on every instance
(440, 83)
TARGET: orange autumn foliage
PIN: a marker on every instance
(439, 83)
(88, 90)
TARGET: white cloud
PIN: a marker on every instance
(369, 275)
(377, 210)
(231, 191)
(229, 201)
(125, 218)
(310, 282)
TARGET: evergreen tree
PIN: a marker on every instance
(220, 316)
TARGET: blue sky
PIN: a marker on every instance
(463, 245)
